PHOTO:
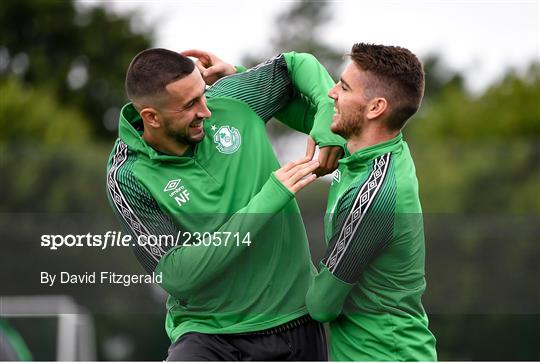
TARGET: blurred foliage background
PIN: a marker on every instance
(477, 159)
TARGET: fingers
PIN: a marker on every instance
(204, 58)
(201, 68)
(292, 164)
(324, 154)
(310, 149)
(209, 65)
(207, 77)
(303, 176)
(297, 174)
(302, 170)
(328, 159)
(216, 70)
(333, 159)
(331, 163)
(195, 53)
(303, 182)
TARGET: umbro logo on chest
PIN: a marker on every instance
(336, 177)
(177, 191)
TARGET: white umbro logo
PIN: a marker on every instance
(177, 191)
(337, 176)
(172, 184)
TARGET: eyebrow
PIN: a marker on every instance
(194, 99)
(345, 83)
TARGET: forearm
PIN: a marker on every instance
(298, 114)
(312, 80)
(326, 296)
(184, 269)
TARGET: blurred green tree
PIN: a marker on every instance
(300, 28)
(61, 85)
(462, 142)
(477, 158)
(47, 151)
(478, 164)
(79, 55)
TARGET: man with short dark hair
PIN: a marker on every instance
(196, 164)
(372, 276)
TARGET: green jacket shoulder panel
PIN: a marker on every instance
(266, 88)
(363, 225)
(138, 211)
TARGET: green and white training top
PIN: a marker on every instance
(372, 276)
(252, 269)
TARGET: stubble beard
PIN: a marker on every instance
(179, 137)
(350, 125)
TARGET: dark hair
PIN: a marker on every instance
(398, 76)
(153, 69)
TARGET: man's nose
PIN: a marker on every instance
(205, 112)
(332, 93)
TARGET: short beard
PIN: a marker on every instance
(352, 126)
(179, 137)
(349, 130)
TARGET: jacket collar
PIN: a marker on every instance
(362, 157)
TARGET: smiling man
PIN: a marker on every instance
(196, 163)
(372, 277)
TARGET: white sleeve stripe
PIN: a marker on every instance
(359, 208)
(123, 206)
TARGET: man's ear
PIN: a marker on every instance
(150, 117)
(376, 107)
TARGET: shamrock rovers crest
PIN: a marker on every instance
(228, 139)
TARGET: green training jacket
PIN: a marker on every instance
(372, 276)
(240, 260)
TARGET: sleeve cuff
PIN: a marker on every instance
(321, 132)
(272, 197)
(326, 295)
(282, 187)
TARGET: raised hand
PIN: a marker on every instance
(328, 157)
(211, 66)
(297, 174)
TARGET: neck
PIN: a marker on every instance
(368, 137)
(165, 145)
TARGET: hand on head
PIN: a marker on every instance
(211, 66)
